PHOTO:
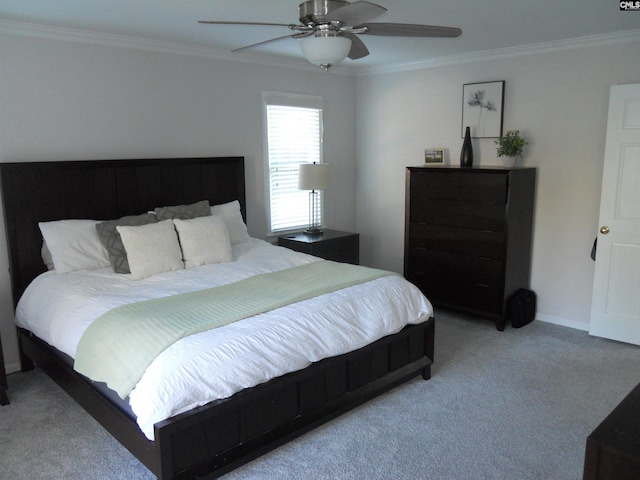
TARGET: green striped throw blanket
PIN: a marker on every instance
(119, 345)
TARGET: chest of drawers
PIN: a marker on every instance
(468, 234)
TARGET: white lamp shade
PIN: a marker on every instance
(325, 50)
(313, 176)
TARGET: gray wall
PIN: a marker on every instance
(66, 100)
(71, 101)
(557, 98)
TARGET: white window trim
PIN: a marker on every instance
(292, 100)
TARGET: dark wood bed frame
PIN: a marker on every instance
(208, 441)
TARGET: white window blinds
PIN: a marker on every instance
(294, 136)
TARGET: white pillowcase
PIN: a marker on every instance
(204, 240)
(151, 249)
(233, 218)
(74, 245)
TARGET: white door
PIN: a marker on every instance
(615, 308)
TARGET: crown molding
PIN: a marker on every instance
(616, 38)
(10, 27)
(46, 32)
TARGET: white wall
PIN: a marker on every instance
(70, 101)
(557, 99)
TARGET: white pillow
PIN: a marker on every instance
(204, 240)
(151, 248)
(233, 218)
(74, 245)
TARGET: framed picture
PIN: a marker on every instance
(482, 108)
(433, 156)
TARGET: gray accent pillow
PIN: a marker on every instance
(184, 212)
(112, 241)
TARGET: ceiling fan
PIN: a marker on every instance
(329, 30)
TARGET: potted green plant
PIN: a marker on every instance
(511, 146)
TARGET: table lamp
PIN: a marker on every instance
(313, 177)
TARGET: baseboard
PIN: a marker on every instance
(564, 322)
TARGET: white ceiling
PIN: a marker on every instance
(487, 25)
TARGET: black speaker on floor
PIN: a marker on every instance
(522, 307)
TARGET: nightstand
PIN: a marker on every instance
(4, 400)
(331, 245)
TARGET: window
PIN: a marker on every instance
(293, 136)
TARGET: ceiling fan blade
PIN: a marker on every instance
(215, 22)
(409, 30)
(295, 35)
(358, 48)
(356, 13)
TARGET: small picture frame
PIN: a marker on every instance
(482, 109)
(433, 157)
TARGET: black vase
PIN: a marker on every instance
(466, 155)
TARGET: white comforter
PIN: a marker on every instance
(220, 362)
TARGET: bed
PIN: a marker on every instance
(207, 440)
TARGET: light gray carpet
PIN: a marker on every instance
(517, 404)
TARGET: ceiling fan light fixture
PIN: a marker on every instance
(325, 49)
(330, 30)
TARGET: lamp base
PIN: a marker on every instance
(314, 232)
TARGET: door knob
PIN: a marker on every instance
(604, 230)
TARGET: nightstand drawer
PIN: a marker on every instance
(331, 245)
(338, 249)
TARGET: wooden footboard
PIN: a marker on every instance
(214, 439)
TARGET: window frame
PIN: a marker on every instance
(298, 101)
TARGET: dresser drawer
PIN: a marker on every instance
(449, 279)
(479, 243)
(448, 185)
(480, 270)
(461, 293)
(477, 216)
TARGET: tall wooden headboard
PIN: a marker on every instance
(103, 189)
